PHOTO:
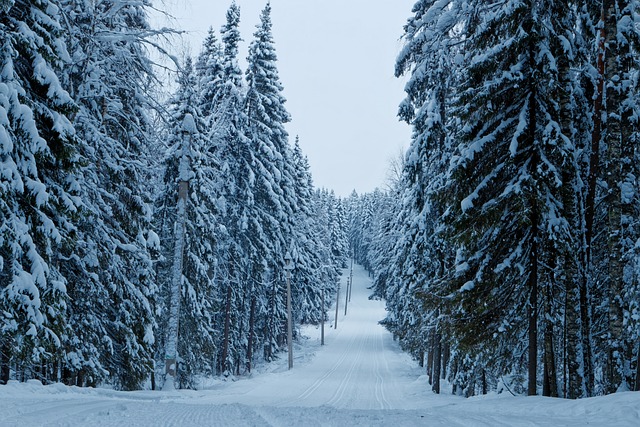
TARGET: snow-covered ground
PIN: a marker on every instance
(360, 377)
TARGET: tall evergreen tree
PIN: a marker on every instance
(423, 257)
(270, 228)
(507, 209)
(209, 72)
(314, 278)
(37, 205)
(620, 171)
(519, 243)
(109, 79)
(238, 179)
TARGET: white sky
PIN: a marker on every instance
(336, 60)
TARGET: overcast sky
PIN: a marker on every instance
(336, 61)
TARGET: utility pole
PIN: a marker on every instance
(346, 298)
(288, 267)
(171, 349)
(353, 255)
(322, 323)
(335, 324)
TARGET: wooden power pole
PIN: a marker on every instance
(184, 175)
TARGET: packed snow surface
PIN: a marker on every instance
(360, 377)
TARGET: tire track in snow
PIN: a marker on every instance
(395, 390)
(350, 371)
(320, 381)
(379, 390)
(60, 413)
(346, 380)
(210, 415)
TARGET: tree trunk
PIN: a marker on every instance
(252, 316)
(272, 324)
(290, 321)
(346, 296)
(454, 373)
(620, 174)
(224, 365)
(573, 380)
(446, 355)
(239, 324)
(437, 363)
(66, 377)
(550, 382)
(484, 382)
(532, 313)
(585, 334)
(37, 372)
(430, 364)
(550, 379)
(533, 325)
(596, 138)
(5, 359)
(637, 387)
(55, 370)
(351, 280)
(569, 256)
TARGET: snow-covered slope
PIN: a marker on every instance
(359, 378)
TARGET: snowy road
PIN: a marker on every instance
(359, 378)
(357, 369)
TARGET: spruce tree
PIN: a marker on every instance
(620, 171)
(270, 227)
(237, 179)
(516, 245)
(109, 79)
(313, 277)
(506, 211)
(209, 73)
(37, 186)
(423, 258)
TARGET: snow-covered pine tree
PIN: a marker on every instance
(313, 278)
(338, 240)
(237, 179)
(590, 53)
(209, 71)
(355, 215)
(607, 49)
(37, 205)
(621, 138)
(330, 234)
(270, 226)
(505, 210)
(422, 257)
(111, 281)
(386, 230)
(540, 196)
(386, 235)
(354, 223)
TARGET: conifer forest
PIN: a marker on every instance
(147, 228)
